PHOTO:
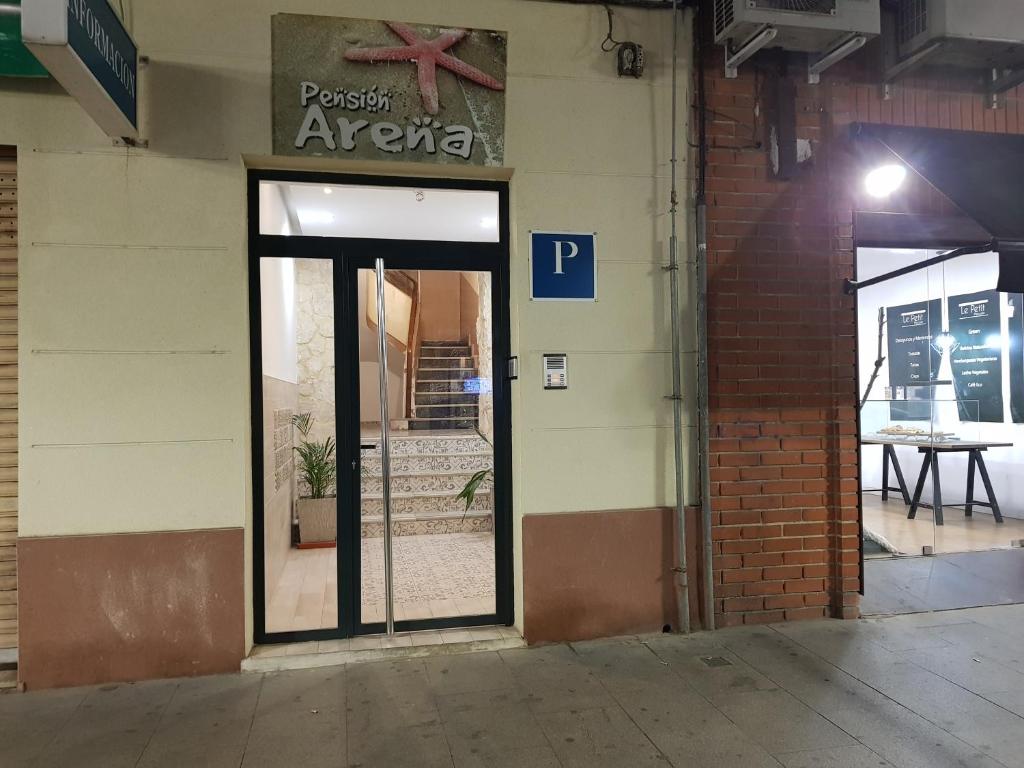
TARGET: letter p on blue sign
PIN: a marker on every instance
(563, 266)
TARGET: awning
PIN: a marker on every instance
(981, 173)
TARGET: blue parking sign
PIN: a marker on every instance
(563, 266)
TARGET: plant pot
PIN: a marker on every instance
(318, 520)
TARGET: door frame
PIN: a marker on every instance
(348, 256)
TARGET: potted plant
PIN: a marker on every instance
(318, 470)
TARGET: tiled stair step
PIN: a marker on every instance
(484, 523)
(463, 386)
(444, 374)
(429, 445)
(447, 363)
(447, 398)
(377, 517)
(412, 504)
(461, 411)
(423, 424)
(462, 350)
(428, 464)
(419, 483)
(441, 343)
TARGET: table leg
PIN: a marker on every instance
(885, 472)
(972, 463)
(899, 476)
(916, 501)
(988, 489)
(936, 489)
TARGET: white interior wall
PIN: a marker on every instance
(966, 274)
(277, 312)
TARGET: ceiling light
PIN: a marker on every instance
(488, 222)
(328, 190)
(307, 216)
(884, 180)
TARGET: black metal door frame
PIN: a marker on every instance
(348, 256)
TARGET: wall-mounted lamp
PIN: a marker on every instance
(884, 180)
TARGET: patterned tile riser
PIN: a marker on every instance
(427, 505)
(442, 374)
(375, 529)
(417, 484)
(447, 398)
(456, 387)
(416, 425)
(435, 446)
(441, 411)
(453, 351)
(430, 465)
(448, 363)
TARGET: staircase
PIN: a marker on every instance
(427, 473)
(445, 396)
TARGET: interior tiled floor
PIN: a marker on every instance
(439, 575)
(888, 519)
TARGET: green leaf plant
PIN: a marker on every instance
(317, 465)
(468, 493)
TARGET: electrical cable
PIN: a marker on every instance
(608, 38)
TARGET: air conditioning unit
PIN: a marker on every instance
(827, 29)
(980, 34)
(803, 25)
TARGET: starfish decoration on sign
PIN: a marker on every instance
(428, 55)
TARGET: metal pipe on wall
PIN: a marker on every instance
(682, 577)
(701, 289)
(385, 448)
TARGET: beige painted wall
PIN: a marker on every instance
(440, 302)
(134, 281)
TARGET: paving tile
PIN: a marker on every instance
(489, 721)
(1012, 701)
(594, 738)
(416, 746)
(713, 680)
(857, 756)
(469, 672)
(397, 693)
(555, 679)
(780, 723)
(111, 727)
(205, 723)
(477, 757)
(29, 722)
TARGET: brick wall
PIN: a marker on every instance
(781, 334)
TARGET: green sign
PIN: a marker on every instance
(15, 59)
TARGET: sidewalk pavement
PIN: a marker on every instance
(918, 691)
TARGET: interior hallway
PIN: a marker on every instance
(928, 690)
(958, 533)
(436, 576)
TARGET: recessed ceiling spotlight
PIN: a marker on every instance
(884, 180)
(328, 190)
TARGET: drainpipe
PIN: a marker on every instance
(682, 578)
(703, 419)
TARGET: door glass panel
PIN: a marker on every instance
(300, 209)
(299, 437)
(441, 428)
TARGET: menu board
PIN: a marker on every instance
(1016, 357)
(913, 359)
(975, 322)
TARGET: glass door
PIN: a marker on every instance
(381, 420)
(427, 430)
